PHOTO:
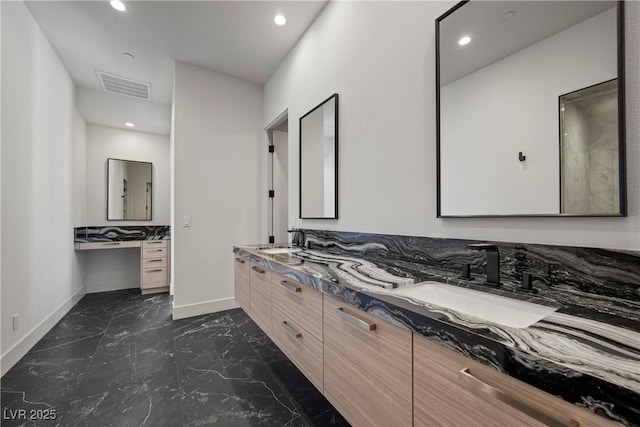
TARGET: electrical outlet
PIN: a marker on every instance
(15, 322)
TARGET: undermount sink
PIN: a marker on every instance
(273, 251)
(492, 308)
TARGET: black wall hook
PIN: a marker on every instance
(521, 157)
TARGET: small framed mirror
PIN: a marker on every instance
(129, 190)
(319, 161)
(530, 109)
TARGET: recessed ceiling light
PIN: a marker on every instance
(118, 5)
(508, 15)
(129, 124)
(280, 20)
(464, 40)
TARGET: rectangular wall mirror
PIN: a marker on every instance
(319, 161)
(129, 190)
(530, 109)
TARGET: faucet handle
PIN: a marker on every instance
(527, 281)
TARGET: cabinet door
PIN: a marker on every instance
(367, 367)
(260, 294)
(453, 390)
(241, 283)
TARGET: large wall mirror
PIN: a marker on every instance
(129, 190)
(319, 161)
(530, 112)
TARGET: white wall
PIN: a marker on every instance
(487, 116)
(380, 58)
(217, 138)
(42, 158)
(120, 269)
(104, 142)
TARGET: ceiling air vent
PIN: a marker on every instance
(124, 86)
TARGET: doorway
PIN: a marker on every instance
(278, 179)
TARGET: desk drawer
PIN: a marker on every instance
(154, 277)
(154, 244)
(154, 252)
(154, 262)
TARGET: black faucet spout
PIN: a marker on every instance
(298, 237)
(493, 261)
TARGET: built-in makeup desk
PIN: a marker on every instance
(155, 250)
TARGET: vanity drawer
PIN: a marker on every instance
(154, 243)
(241, 264)
(154, 262)
(302, 348)
(367, 367)
(154, 252)
(452, 389)
(260, 273)
(301, 303)
(154, 277)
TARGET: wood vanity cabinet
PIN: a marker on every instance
(154, 270)
(367, 367)
(450, 389)
(241, 287)
(297, 325)
(260, 296)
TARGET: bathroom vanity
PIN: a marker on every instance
(368, 336)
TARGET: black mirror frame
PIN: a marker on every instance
(107, 189)
(621, 128)
(334, 96)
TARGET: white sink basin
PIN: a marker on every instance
(274, 251)
(493, 308)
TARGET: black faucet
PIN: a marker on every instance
(493, 262)
(527, 281)
(298, 237)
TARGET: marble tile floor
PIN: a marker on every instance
(118, 359)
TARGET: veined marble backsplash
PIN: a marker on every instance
(579, 279)
(121, 233)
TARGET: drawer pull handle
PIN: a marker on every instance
(288, 329)
(240, 260)
(111, 244)
(350, 318)
(258, 269)
(475, 385)
(292, 288)
(157, 270)
(153, 250)
(155, 260)
(154, 242)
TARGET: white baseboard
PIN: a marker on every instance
(15, 353)
(207, 307)
(154, 290)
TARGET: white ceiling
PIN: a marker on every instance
(493, 37)
(238, 38)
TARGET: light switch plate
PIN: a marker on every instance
(186, 221)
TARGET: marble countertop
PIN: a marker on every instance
(570, 353)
